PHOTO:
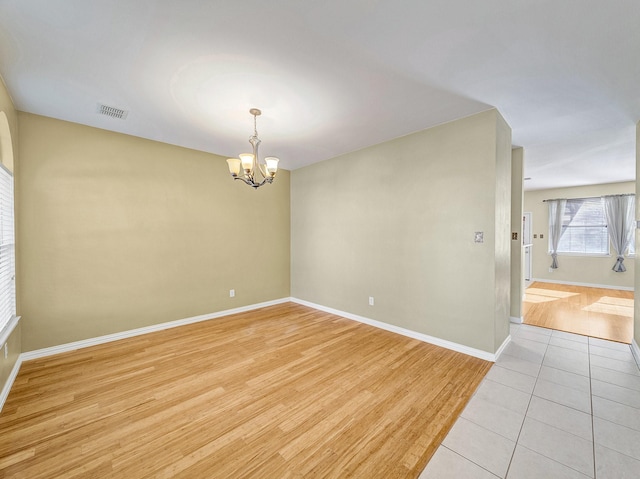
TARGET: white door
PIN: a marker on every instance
(527, 244)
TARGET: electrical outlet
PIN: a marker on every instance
(550, 270)
(6, 350)
(232, 293)
(370, 300)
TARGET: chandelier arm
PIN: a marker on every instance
(251, 182)
(242, 178)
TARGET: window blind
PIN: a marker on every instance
(584, 227)
(7, 250)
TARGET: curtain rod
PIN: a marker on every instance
(587, 197)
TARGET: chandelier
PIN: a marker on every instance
(250, 164)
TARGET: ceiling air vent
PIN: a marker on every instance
(111, 111)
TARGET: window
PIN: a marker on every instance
(584, 227)
(7, 250)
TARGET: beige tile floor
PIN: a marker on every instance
(554, 405)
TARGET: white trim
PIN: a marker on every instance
(588, 285)
(587, 255)
(62, 348)
(502, 346)
(515, 320)
(8, 329)
(635, 349)
(478, 353)
(40, 353)
(4, 394)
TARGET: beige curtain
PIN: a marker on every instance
(556, 212)
(620, 212)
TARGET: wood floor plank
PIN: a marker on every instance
(598, 312)
(285, 391)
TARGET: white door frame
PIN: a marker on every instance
(527, 245)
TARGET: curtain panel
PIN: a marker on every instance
(620, 211)
(556, 212)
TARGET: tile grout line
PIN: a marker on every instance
(591, 407)
(532, 394)
(467, 459)
(608, 399)
(593, 426)
(527, 410)
(589, 344)
(634, 391)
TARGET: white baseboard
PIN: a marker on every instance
(587, 285)
(4, 394)
(515, 320)
(635, 349)
(85, 343)
(40, 353)
(501, 348)
(478, 353)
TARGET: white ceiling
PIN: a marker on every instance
(335, 76)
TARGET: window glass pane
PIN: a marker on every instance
(584, 227)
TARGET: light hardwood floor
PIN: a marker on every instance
(282, 392)
(597, 312)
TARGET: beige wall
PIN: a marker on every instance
(396, 221)
(8, 148)
(118, 232)
(517, 256)
(574, 269)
